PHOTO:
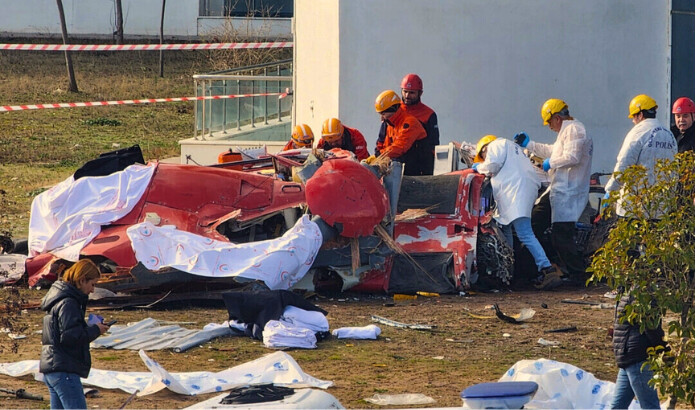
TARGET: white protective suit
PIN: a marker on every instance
(647, 142)
(513, 180)
(570, 160)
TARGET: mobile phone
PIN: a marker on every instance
(110, 323)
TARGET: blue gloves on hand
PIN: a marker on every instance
(605, 198)
(545, 165)
(474, 167)
(521, 139)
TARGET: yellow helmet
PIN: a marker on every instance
(484, 141)
(551, 107)
(303, 136)
(641, 102)
(386, 100)
(332, 130)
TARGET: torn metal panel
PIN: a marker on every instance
(394, 323)
(148, 334)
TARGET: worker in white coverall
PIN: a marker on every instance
(515, 185)
(647, 142)
(568, 164)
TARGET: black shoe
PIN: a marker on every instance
(548, 279)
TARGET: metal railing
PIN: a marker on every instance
(237, 114)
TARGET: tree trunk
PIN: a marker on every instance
(72, 85)
(162, 19)
(120, 22)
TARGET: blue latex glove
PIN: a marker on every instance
(474, 167)
(545, 165)
(521, 139)
(605, 198)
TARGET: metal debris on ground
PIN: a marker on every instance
(21, 394)
(592, 305)
(148, 334)
(525, 314)
(550, 343)
(562, 329)
(394, 323)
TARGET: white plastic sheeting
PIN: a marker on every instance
(279, 262)
(562, 386)
(278, 368)
(69, 215)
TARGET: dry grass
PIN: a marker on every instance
(39, 148)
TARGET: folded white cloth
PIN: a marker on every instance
(366, 332)
(312, 320)
(282, 334)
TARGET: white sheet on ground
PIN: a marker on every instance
(69, 215)
(278, 368)
(315, 321)
(364, 332)
(279, 262)
(562, 386)
(277, 334)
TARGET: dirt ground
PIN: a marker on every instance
(461, 351)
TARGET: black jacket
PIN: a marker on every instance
(65, 335)
(686, 140)
(630, 346)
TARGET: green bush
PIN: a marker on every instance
(654, 260)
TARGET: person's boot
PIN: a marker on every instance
(548, 278)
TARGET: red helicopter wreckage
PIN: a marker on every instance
(379, 231)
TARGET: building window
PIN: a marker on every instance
(246, 8)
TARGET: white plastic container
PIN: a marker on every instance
(501, 395)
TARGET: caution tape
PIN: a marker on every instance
(145, 47)
(5, 108)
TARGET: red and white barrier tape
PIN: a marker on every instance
(147, 47)
(4, 108)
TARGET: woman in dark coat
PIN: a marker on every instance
(66, 337)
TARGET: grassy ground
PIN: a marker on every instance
(39, 148)
(461, 351)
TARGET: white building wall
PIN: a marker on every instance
(316, 50)
(487, 65)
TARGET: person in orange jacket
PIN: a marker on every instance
(403, 134)
(411, 92)
(302, 137)
(335, 135)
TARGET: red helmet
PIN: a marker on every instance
(683, 105)
(412, 82)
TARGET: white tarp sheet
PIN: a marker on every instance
(69, 215)
(279, 262)
(278, 368)
(562, 386)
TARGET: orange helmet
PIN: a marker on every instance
(303, 136)
(332, 130)
(386, 100)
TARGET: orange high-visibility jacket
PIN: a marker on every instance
(402, 131)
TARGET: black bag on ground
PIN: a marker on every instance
(110, 162)
(257, 394)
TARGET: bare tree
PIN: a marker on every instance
(72, 85)
(120, 22)
(162, 19)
